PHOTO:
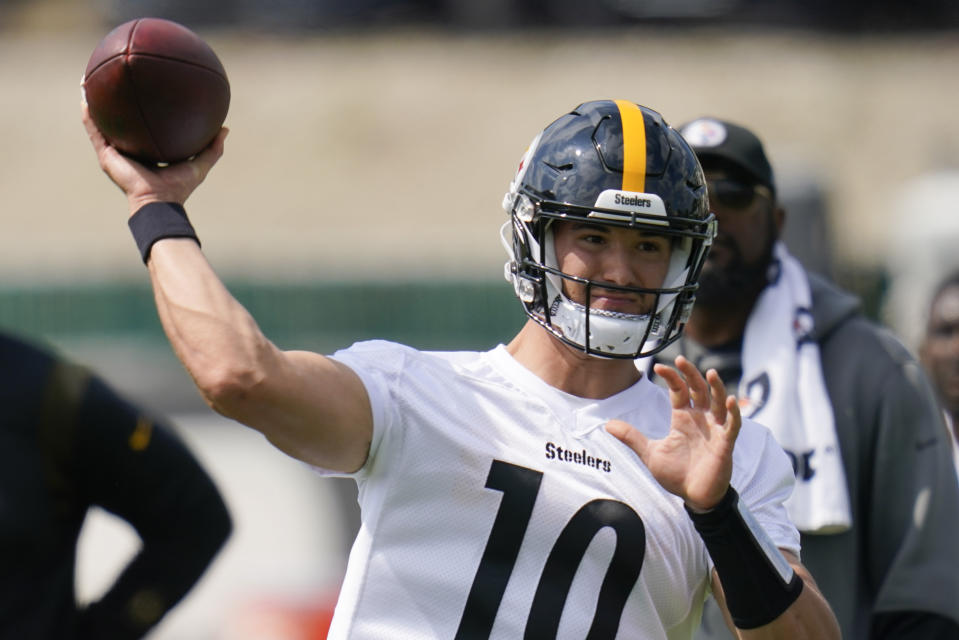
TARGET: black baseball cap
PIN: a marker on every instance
(726, 145)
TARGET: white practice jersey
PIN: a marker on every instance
(495, 506)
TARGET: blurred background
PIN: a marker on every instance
(371, 143)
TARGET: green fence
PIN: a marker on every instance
(316, 316)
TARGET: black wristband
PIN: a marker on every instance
(758, 582)
(158, 220)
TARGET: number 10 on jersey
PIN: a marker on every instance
(520, 487)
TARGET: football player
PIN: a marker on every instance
(545, 488)
(69, 444)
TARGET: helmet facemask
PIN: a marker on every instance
(538, 281)
(580, 168)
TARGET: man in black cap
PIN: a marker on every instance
(876, 498)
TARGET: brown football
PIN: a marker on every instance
(156, 90)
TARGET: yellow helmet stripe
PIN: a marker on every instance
(634, 146)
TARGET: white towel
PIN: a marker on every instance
(783, 388)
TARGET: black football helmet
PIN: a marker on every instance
(619, 164)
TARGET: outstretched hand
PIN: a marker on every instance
(143, 184)
(695, 459)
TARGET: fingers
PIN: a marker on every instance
(699, 392)
(685, 383)
(113, 163)
(734, 421)
(678, 391)
(717, 395)
(99, 142)
(205, 160)
(723, 407)
(144, 184)
(628, 435)
(200, 165)
(688, 388)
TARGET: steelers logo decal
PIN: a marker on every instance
(704, 132)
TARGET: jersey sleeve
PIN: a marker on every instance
(764, 479)
(378, 364)
(134, 466)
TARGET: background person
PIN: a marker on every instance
(875, 500)
(68, 443)
(489, 481)
(939, 354)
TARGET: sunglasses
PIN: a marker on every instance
(733, 194)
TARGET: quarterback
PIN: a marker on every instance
(545, 488)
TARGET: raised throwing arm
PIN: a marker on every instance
(311, 407)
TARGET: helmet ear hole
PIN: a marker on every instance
(618, 164)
